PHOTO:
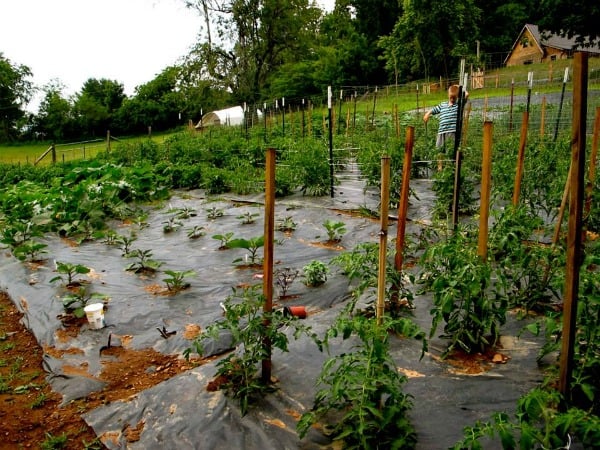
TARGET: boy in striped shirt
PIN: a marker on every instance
(448, 112)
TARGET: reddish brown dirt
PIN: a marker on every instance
(30, 411)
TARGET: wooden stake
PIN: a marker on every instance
(573, 263)
(385, 201)
(403, 206)
(520, 159)
(561, 210)
(486, 182)
(593, 158)
(543, 117)
(269, 231)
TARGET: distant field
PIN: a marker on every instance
(29, 153)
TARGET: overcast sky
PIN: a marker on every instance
(130, 41)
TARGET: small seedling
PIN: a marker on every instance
(287, 225)
(30, 250)
(335, 230)
(53, 442)
(214, 213)
(183, 213)
(175, 281)
(252, 245)
(171, 225)
(196, 232)
(248, 218)
(69, 271)
(125, 243)
(284, 279)
(144, 261)
(224, 239)
(315, 273)
(76, 302)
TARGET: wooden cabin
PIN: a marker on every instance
(533, 46)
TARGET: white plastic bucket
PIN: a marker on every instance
(95, 315)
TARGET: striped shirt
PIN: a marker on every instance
(448, 115)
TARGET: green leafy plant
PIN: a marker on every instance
(315, 273)
(69, 270)
(52, 442)
(30, 250)
(144, 262)
(125, 243)
(249, 327)
(459, 280)
(75, 302)
(183, 212)
(172, 224)
(248, 218)
(286, 224)
(196, 232)
(361, 266)
(365, 387)
(335, 230)
(252, 245)
(284, 279)
(224, 239)
(175, 281)
(214, 213)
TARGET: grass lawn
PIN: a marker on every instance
(29, 153)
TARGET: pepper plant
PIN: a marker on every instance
(315, 273)
(252, 245)
(335, 230)
(69, 270)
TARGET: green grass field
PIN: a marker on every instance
(29, 153)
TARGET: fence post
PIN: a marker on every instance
(520, 159)
(268, 258)
(53, 153)
(385, 202)
(107, 141)
(403, 206)
(574, 244)
(486, 180)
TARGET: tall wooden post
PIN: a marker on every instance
(486, 182)
(520, 159)
(385, 202)
(404, 193)
(593, 158)
(107, 141)
(571, 293)
(268, 257)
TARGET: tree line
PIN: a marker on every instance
(253, 51)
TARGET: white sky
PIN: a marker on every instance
(130, 41)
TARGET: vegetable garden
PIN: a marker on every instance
(180, 241)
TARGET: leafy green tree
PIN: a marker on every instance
(433, 35)
(256, 38)
(573, 18)
(156, 104)
(502, 22)
(15, 93)
(96, 104)
(54, 118)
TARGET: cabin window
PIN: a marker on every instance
(553, 58)
(525, 42)
(528, 61)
